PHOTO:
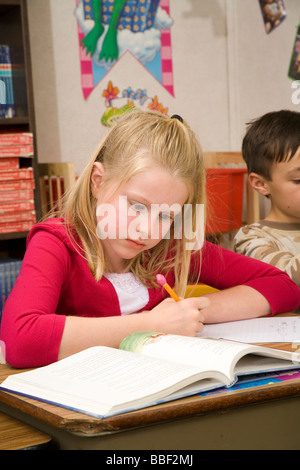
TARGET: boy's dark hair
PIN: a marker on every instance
(272, 138)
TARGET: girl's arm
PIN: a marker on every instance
(36, 331)
(33, 334)
(30, 328)
(236, 303)
(182, 318)
(257, 283)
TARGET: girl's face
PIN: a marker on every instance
(136, 216)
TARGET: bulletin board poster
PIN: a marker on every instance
(294, 69)
(109, 28)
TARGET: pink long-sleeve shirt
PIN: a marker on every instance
(55, 281)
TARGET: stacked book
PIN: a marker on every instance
(9, 271)
(13, 95)
(17, 209)
(7, 107)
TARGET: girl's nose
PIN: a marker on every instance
(143, 228)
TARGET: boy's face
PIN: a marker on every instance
(284, 191)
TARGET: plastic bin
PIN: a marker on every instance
(224, 191)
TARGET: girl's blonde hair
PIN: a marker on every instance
(137, 141)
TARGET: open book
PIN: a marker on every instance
(149, 368)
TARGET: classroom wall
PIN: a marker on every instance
(226, 71)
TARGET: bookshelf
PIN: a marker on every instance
(14, 33)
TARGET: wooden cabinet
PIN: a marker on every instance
(14, 33)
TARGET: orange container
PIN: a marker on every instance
(224, 191)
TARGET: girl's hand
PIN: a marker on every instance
(182, 318)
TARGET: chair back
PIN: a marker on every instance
(55, 180)
(235, 160)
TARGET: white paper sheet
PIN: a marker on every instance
(258, 330)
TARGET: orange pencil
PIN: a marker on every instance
(162, 282)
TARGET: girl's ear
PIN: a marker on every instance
(259, 183)
(97, 178)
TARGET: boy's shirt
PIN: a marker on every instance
(275, 243)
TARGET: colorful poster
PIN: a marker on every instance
(273, 13)
(294, 69)
(117, 103)
(109, 28)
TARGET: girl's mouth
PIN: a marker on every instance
(135, 244)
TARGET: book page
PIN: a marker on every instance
(208, 354)
(205, 354)
(257, 330)
(98, 379)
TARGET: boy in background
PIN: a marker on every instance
(271, 150)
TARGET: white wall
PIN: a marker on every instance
(263, 61)
(227, 70)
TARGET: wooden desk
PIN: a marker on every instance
(264, 417)
(15, 435)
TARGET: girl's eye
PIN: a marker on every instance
(165, 216)
(296, 181)
(138, 207)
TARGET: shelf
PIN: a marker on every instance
(10, 2)
(15, 121)
(13, 236)
(14, 33)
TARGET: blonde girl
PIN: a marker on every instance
(87, 279)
